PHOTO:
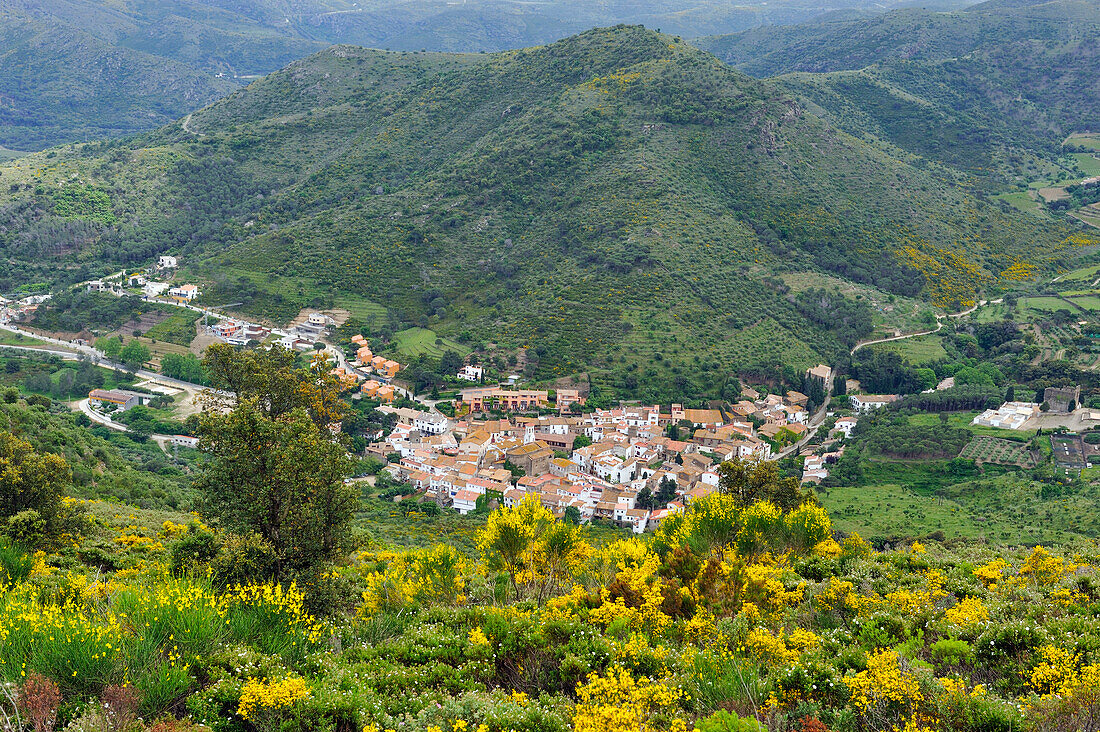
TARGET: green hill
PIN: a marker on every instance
(618, 202)
(77, 70)
(987, 89)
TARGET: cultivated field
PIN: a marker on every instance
(1001, 452)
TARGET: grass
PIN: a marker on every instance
(416, 341)
(1086, 140)
(1087, 163)
(1087, 274)
(1087, 302)
(991, 313)
(177, 328)
(963, 419)
(1005, 508)
(1022, 202)
(7, 338)
(360, 308)
(994, 450)
(917, 351)
(160, 348)
(1043, 304)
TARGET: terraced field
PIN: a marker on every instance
(998, 451)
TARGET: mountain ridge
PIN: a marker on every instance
(613, 202)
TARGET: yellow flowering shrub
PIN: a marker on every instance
(778, 648)
(808, 526)
(260, 699)
(992, 572)
(1044, 569)
(967, 612)
(884, 693)
(635, 593)
(1055, 668)
(618, 702)
(837, 596)
(433, 575)
(759, 582)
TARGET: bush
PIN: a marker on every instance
(15, 564)
(243, 559)
(952, 652)
(27, 528)
(725, 721)
(197, 547)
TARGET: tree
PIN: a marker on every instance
(30, 482)
(539, 554)
(134, 354)
(749, 481)
(581, 441)
(666, 491)
(645, 498)
(449, 363)
(111, 347)
(1010, 394)
(274, 381)
(926, 378)
(282, 478)
(572, 515)
(183, 366)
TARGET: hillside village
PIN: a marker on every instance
(633, 465)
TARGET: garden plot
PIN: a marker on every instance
(998, 451)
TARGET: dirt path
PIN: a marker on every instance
(187, 127)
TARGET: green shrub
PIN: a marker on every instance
(15, 564)
(27, 528)
(725, 721)
(197, 547)
(243, 559)
(952, 652)
(161, 688)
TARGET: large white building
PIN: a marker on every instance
(1009, 416)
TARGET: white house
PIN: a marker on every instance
(154, 289)
(184, 441)
(471, 373)
(184, 292)
(864, 403)
(846, 425)
(813, 469)
(465, 501)
(427, 423)
(166, 262)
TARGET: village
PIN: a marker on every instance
(633, 465)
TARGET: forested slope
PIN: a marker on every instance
(615, 198)
(972, 88)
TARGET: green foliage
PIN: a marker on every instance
(134, 354)
(524, 230)
(893, 435)
(77, 201)
(30, 488)
(937, 84)
(726, 721)
(749, 481)
(15, 564)
(104, 463)
(183, 366)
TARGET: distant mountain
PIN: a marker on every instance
(970, 88)
(87, 69)
(619, 201)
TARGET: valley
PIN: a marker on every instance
(547, 377)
